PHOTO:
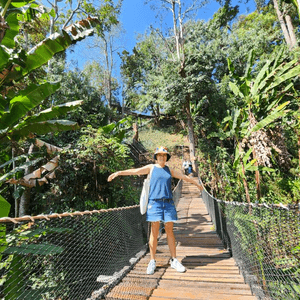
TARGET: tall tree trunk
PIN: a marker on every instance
(291, 31)
(298, 146)
(108, 74)
(52, 24)
(191, 133)
(175, 29)
(190, 125)
(15, 187)
(244, 179)
(135, 128)
(282, 24)
(25, 198)
(257, 177)
(179, 44)
(24, 202)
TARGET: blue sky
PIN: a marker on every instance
(136, 17)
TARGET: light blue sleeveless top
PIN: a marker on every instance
(160, 183)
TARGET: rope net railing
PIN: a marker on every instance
(71, 256)
(264, 241)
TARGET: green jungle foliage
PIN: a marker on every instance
(81, 180)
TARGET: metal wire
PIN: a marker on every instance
(265, 243)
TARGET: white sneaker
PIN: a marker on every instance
(175, 264)
(151, 267)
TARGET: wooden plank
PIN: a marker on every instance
(218, 279)
(183, 294)
(213, 287)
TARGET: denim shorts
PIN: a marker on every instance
(161, 210)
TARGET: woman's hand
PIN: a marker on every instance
(112, 176)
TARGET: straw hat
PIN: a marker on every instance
(163, 150)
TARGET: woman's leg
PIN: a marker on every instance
(153, 238)
(171, 238)
(175, 264)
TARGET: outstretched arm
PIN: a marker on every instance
(138, 171)
(180, 175)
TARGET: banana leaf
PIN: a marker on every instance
(12, 283)
(295, 71)
(236, 113)
(45, 127)
(12, 32)
(4, 211)
(236, 90)
(44, 51)
(50, 113)
(261, 79)
(279, 75)
(247, 155)
(25, 101)
(277, 113)
(278, 58)
(236, 157)
(4, 56)
(249, 64)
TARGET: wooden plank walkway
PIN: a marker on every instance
(211, 272)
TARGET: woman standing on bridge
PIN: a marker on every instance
(161, 206)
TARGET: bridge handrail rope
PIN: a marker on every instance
(263, 240)
(65, 214)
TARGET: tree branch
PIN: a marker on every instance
(72, 14)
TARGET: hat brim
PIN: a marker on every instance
(168, 155)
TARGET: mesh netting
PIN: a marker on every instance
(265, 242)
(70, 256)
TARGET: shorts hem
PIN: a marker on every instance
(163, 221)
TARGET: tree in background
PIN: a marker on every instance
(180, 11)
(108, 44)
(142, 74)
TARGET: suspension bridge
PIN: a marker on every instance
(211, 271)
(230, 250)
